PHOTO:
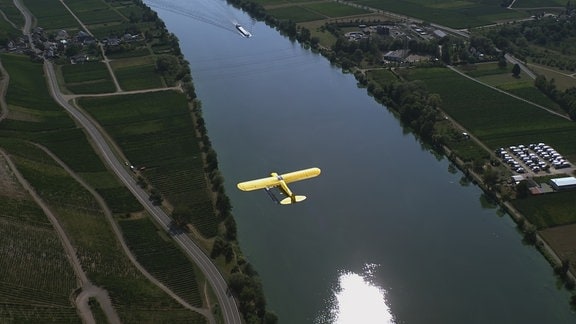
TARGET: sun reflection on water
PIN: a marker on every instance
(356, 299)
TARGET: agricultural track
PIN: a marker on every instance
(227, 303)
(83, 297)
(507, 93)
(88, 289)
(3, 87)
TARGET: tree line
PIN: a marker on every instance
(243, 280)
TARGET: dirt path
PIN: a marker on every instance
(3, 88)
(8, 20)
(106, 60)
(83, 297)
(88, 289)
(507, 93)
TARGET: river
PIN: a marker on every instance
(389, 232)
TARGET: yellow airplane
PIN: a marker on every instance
(280, 181)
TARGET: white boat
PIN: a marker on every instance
(243, 31)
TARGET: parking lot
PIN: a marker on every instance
(535, 159)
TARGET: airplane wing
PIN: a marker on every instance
(258, 184)
(274, 181)
(300, 175)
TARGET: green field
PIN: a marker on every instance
(539, 3)
(42, 295)
(7, 30)
(135, 298)
(502, 78)
(52, 15)
(305, 12)
(27, 87)
(562, 79)
(75, 73)
(138, 77)
(295, 14)
(87, 78)
(157, 253)
(549, 210)
(495, 118)
(455, 14)
(13, 15)
(381, 76)
(98, 249)
(155, 131)
(92, 12)
(333, 10)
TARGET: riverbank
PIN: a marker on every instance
(522, 222)
(468, 166)
(176, 189)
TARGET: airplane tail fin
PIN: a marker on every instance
(288, 200)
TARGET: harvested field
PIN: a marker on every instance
(562, 239)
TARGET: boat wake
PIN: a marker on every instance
(215, 13)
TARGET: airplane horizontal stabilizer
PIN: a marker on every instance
(288, 200)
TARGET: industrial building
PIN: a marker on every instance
(563, 183)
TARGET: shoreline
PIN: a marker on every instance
(540, 243)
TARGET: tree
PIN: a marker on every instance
(516, 70)
(167, 64)
(231, 228)
(181, 215)
(502, 62)
(435, 100)
(217, 248)
(155, 197)
(73, 50)
(522, 189)
(490, 177)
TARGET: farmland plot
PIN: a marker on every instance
(156, 133)
(94, 12)
(52, 15)
(495, 118)
(162, 259)
(455, 14)
(36, 279)
(103, 260)
(88, 78)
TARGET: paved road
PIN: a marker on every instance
(83, 296)
(227, 303)
(523, 67)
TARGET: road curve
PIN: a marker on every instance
(227, 303)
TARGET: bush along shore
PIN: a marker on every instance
(144, 55)
(243, 279)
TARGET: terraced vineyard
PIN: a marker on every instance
(154, 130)
(162, 259)
(88, 78)
(133, 296)
(36, 279)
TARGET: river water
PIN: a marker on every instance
(390, 233)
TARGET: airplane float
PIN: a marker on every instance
(281, 182)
